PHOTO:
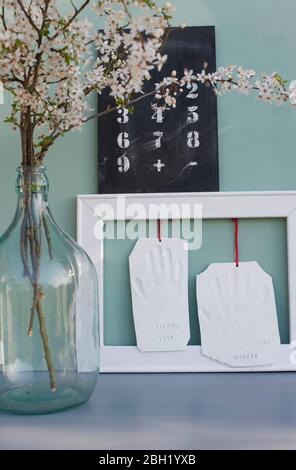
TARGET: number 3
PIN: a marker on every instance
(123, 118)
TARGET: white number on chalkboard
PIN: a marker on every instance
(158, 115)
(159, 135)
(193, 139)
(124, 117)
(192, 115)
(193, 88)
(123, 140)
(123, 164)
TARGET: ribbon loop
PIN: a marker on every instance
(159, 230)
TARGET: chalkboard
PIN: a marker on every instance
(173, 151)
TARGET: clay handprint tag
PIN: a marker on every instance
(159, 284)
(237, 314)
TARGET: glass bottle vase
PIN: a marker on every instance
(49, 342)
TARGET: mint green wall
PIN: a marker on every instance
(257, 142)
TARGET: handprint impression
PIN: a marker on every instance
(159, 280)
(237, 311)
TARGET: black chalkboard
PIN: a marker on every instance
(176, 152)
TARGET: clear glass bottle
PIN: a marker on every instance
(49, 342)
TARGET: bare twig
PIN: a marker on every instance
(33, 308)
(57, 81)
(128, 105)
(2, 15)
(31, 231)
(73, 18)
(73, 5)
(47, 353)
(56, 133)
(48, 237)
(28, 16)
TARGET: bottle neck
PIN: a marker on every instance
(31, 183)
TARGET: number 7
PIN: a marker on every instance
(159, 135)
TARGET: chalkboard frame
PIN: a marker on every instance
(184, 157)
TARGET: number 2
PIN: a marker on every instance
(193, 87)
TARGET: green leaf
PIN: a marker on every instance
(279, 79)
(34, 187)
(149, 3)
(45, 31)
(68, 58)
(18, 43)
(46, 142)
(120, 102)
(9, 119)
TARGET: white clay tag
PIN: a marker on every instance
(237, 314)
(159, 285)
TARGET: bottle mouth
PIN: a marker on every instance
(31, 169)
(32, 179)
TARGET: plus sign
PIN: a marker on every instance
(159, 166)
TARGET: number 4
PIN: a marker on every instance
(158, 115)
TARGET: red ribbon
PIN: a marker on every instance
(236, 242)
(159, 230)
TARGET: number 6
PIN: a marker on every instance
(123, 140)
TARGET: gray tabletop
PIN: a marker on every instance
(168, 411)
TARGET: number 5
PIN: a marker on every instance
(193, 115)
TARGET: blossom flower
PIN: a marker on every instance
(48, 65)
(188, 77)
(46, 60)
(169, 9)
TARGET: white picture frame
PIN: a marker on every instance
(221, 205)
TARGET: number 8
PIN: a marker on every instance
(193, 139)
